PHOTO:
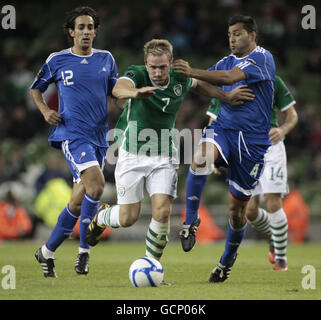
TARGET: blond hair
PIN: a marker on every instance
(157, 47)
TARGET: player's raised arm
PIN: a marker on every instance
(51, 116)
(124, 89)
(235, 97)
(218, 77)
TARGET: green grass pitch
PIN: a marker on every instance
(252, 276)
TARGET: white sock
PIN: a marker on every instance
(156, 239)
(262, 222)
(279, 228)
(83, 250)
(109, 217)
(48, 254)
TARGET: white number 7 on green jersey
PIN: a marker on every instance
(167, 100)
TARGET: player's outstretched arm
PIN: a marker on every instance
(235, 97)
(217, 77)
(124, 89)
(51, 116)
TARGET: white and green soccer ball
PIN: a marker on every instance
(146, 272)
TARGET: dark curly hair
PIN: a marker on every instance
(72, 15)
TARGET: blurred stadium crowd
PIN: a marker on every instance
(197, 30)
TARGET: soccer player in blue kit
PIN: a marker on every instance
(238, 139)
(84, 77)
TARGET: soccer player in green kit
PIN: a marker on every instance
(273, 183)
(154, 94)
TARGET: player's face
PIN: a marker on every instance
(240, 40)
(84, 32)
(158, 68)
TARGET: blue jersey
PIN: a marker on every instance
(253, 117)
(83, 84)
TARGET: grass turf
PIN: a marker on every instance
(252, 276)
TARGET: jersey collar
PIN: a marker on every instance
(77, 55)
(161, 87)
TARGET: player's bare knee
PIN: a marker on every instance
(251, 213)
(197, 163)
(237, 215)
(95, 190)
(128, 217)
(273, 202)
(252, 208)
(162, 214)
(128, 221)
(75, 207)
(273, 206)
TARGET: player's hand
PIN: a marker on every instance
(52, 117)
(183, 67)
(240, 94)
(276, 135)
(145, 92)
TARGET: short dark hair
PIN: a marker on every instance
(72, 16)
(248, 22)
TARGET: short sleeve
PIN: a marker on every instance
(113, 78)
(189, 83)
(44, 77)
(214, 108)
(258, 67)
(283, 98)
(135, 75)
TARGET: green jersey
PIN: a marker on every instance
(146, 126)
(283, 100)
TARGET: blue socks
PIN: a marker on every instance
(64, 227)
(233, 240)
(89, 207)
(67, 221)
(194, 187)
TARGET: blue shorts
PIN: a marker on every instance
(243, 157)
(81, 155)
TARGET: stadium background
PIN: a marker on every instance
(197, 30)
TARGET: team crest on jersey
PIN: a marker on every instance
(121, 191)
(178, 89)
(130, 75)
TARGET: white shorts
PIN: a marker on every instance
(274, 178)
(136, 173)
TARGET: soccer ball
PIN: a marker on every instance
(146, 272)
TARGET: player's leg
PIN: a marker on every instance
(273, 184)
(93, 180)
(210, 150)
(195, 182)
(129, 178)
(234, 236)
(86, 162)
(120, 215)
(64, 227)
(161, 185)
(258, 217)
(196, 179)
(158, 229)
(246, 163)
(279, 229)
